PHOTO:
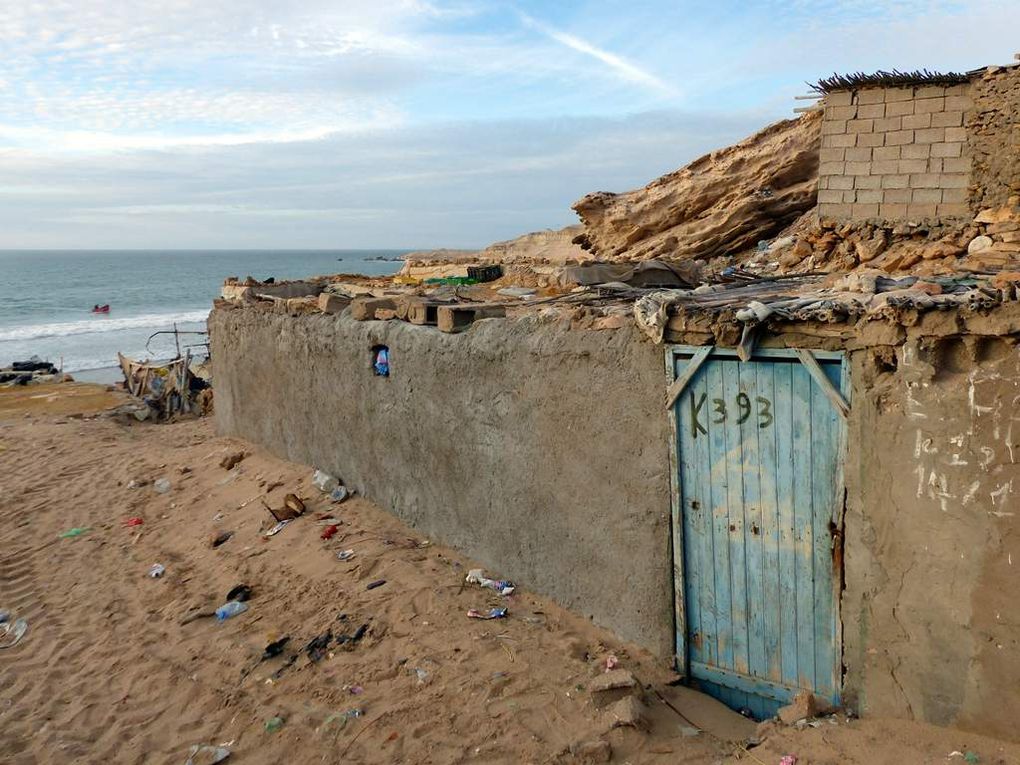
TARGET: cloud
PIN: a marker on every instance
(619, 66)
(450, 184)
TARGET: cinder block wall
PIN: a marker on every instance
(895, 153)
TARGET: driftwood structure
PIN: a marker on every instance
(166, 388)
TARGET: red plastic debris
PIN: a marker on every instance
(133, 521)
(329, 531)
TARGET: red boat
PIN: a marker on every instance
(101, 308)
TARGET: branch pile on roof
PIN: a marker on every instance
(882, 79)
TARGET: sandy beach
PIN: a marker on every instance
(108, 673)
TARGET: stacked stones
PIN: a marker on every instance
(993, 130)
(895, 153)
(997, 244)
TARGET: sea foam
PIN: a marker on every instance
(95, 324)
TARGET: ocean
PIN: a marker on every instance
(46, 297)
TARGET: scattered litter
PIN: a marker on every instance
(273, 724)
(343, 717)
(137, 483)
(317, 646)
(75, 532)
(339, 494)
(376, 583)
(276, 529)
(229, 609)
(278, 673)
(161, 485)
(351, 639)
(218, 517)
(477, 576)
(207, 755)
(157, 570)
(275, 648)
(421, 674)
(136, 521)
(345, 555)
(971, 758)
(329, 531)
(293, 506)
(381, 365)
(16, 630)
(324, 482)
(495, 613)
(240, 593)
(612, 662)
(788, 759)
(220, 538)
(355, 690)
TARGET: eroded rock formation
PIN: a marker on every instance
(720, 204)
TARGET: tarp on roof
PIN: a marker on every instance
(647, 273)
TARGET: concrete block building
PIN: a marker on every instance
(919, 149)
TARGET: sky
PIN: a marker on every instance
(407, 123)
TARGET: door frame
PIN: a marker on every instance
(672, 354)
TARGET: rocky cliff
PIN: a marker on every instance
(720, 204)
(552, 246)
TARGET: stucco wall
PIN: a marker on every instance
(894, 153)
(932, 541)
(541, 452)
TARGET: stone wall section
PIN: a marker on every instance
(895, 153)
(993, 137)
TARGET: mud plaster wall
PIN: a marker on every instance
(932, 541)
(539, 451)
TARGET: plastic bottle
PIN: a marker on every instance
(230, 608)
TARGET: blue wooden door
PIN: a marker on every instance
(759, 500)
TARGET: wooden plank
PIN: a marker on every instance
(708, 602)
(680, 382)
(782, 407)
(735, 504)
(720, 521)
(803, 526)
(677, 529)
(747, 426)
(819, 376)
(690, 526)
(825, 446)
(756, 685)
(765, 425)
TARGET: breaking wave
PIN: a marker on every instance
(95, 324)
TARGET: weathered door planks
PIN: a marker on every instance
(757, 453)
